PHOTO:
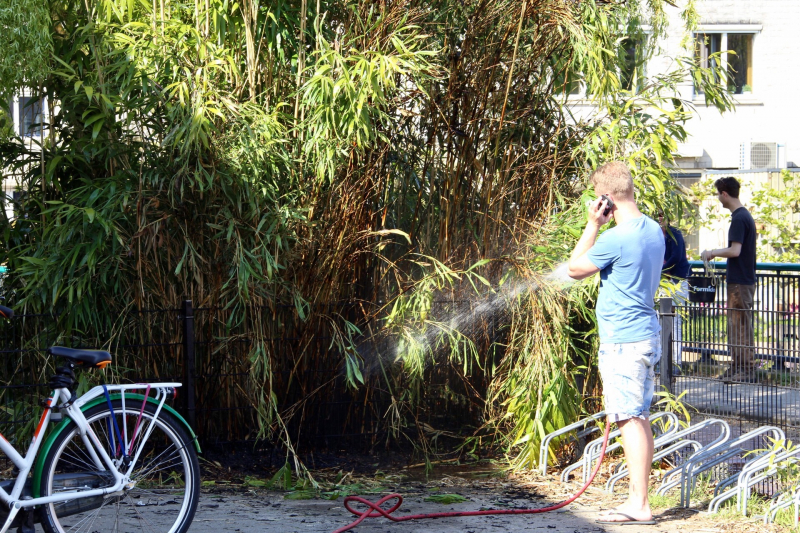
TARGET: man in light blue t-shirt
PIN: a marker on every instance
(628, 257)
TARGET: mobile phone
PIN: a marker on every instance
(609, 204)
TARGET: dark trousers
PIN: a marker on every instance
(740, 326)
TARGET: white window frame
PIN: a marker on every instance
(15, 106)
(7, 190)
(723, 30)
(580, 98)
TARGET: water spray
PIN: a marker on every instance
(495, 303)
(374, 509)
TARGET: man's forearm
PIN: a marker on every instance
(586, 241)
(726, 252)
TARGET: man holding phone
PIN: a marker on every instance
(628, 257)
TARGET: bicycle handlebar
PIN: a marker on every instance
(5, 312)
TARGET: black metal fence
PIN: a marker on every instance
(702, 361)
(214, 358)
(197, 347)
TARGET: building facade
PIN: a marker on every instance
(764, 77)
(761, 135)
(28, 116)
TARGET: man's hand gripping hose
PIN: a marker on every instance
(374, 509)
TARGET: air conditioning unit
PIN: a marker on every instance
(755, 155)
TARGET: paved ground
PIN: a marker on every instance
(766, 404)
(269, 512)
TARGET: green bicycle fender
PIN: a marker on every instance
(48, 443)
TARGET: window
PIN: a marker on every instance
(31, 119)
(632, 63)
(740, 63)
(706, 45)
(736, 57)
(631, 59)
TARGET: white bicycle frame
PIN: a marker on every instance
(96, 449)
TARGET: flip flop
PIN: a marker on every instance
(630, 520)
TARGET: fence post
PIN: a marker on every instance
(189, 361)
(665, 311)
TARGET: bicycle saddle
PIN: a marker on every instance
(98, 358)
(5, 312)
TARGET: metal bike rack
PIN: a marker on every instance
(544, 447)
(762, 467)
(674, 442)
(623, 471)
(672, 478)
(708, 458)
(788, 498)
(676, 477)
(592, 450)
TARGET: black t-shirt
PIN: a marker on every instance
(742, 269)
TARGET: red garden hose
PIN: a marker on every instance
(374, 509)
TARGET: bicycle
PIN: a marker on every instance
(119, 460)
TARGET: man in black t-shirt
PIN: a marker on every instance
(741, 281)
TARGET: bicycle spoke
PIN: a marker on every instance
(163, 495)
(153, 467)
(142, 519)
(90, 517)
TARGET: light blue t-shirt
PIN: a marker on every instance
(630, 257)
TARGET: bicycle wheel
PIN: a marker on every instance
(165, 481)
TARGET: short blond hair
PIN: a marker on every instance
(615, 177)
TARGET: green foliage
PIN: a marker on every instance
(255, 156)
(351, 88)
(282, 479)
(787, 471)
(446, 499)
(774, 204)
(670, 403)
(548, 376)
(27, 44)
(6, 126)
(551, 342)
(643, 129)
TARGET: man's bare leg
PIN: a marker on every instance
(637, 442)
